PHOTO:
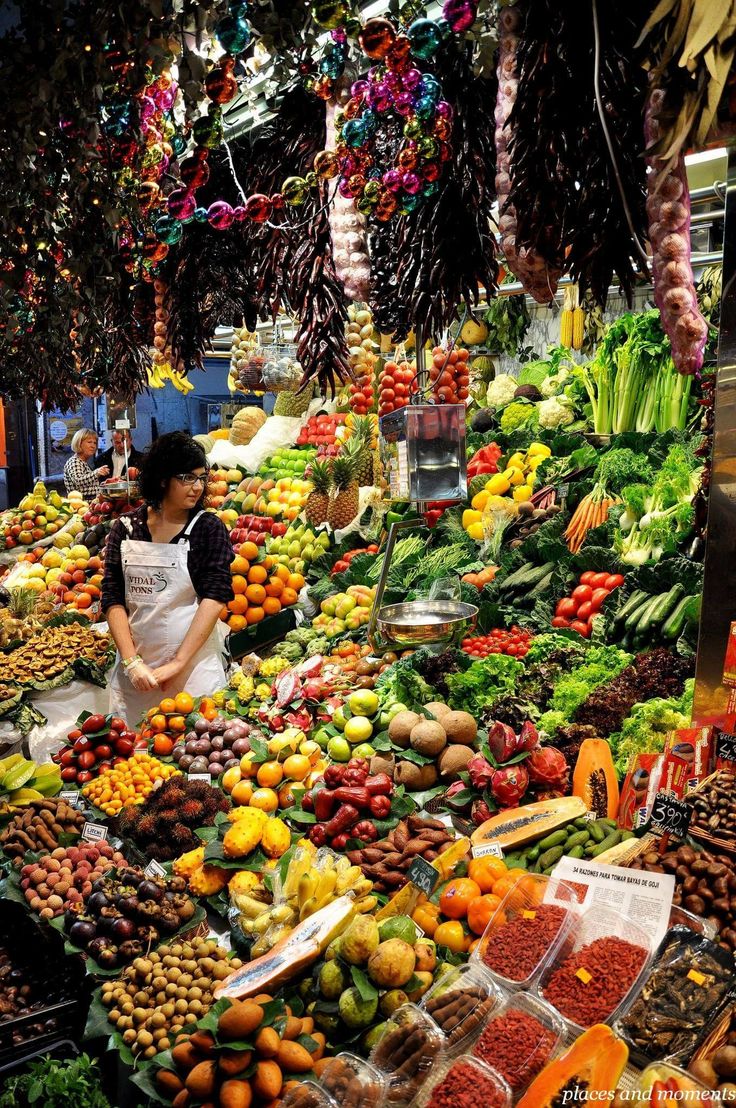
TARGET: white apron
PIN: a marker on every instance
(161, 604)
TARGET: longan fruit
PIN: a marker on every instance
(171, 989)
(181, 993)
(159, 1034)
(158, 1019)
(181, 1007)
(140, 1015)
(167, 1010)
(190, 965)
(164, 1044)
(222, 970)
(127, 1008)
(140, 998)
(150, 1052)
(196, 1007)
(158, 984)
(173, 974)
(206, 965)
(114, 1015)
(129, 1036)
(144, 1038)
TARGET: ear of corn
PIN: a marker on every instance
(578, 328)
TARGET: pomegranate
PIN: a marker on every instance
(508, 785)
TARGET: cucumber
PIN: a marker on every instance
(581, 824)
(543, 585)
(576, 852)
(628, 607)
(533, 854)
(597, 833)
(526, 577)
(632, 620)
(673, 626)
(657, 613)
(579, 839)
(556, 838)
(551, 857)
(610, 840)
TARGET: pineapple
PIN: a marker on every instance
(344, 506)
(318, 501)
(362, 437)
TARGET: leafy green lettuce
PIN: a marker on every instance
(483, 683)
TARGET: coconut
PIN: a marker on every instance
(414, 778)
(428, 737)
(400, 727)
(460, 728)
(453, 760)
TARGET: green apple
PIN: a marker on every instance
(364, 750)
(339, 719)
(394, 709)
(383, 720)
(321, 736)
(339, 750)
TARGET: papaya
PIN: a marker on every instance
(518, 826)
(593, 1064)
(594, 778)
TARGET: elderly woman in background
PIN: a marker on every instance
(78, 473)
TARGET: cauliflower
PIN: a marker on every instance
(556, 411)
(553, 385)
(518, 415)
(501, 391)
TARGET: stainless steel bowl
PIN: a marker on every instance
(119, 490)
(425, 622)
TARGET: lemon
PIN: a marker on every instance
(358, 729)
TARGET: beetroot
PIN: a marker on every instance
(509, 784)
(668, 209)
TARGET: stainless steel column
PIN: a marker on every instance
(719, 592)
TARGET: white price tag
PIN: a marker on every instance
(93, 832)
(154, 869)
(72, 798)
(482, 850)
(589, 817)
(200, 777)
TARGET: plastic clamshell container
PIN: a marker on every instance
(680, 917)
(663, 1071)
(479, 997)
(307, 1094)
(519, 907)
(348, 1078)
(496, 1096)
(410, 1034)
(600, 922)
(527, 1063)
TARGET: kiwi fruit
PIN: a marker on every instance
(400, 727)
(460, 728)
(453, 760)
(437, 709)
(428, 737)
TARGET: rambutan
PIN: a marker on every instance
(146, 826)
(199, 790)
(171, 794)
(192, 810)
(182, 836)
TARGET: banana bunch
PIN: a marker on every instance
(311, 881)
(22, 782)
(159, 374)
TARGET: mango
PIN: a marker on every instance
(240, 1020)
(293, 1058)
(267, 1080)
(201, 1080)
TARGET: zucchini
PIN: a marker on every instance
(658, 612)
(673, 626)
(632, 620)
(637, 596)
(541, 588)
(527, 576)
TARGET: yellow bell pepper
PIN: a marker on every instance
(522, 493)
(539, 449)
(480, 500)
(516, 461)
(476, 531)
(514, 475)
(470, 517)
(498, 484)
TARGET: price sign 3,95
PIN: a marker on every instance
(670, 816)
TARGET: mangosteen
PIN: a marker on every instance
(107, 918)
(147, 934)
(185, 762)
(202, 746)
(177, 884)
(131, 876)
(183, 906)
(190, 746)
(199, 765)
(82, 932)
(217, 742)
(108, 957)
(201, 727)
(149, 890)
(122, 929)
(177, 752)
(128, 905)
(96, 902)
(218, 725)
(130, 949)
(241, 746)
(71, 916)
(168, 921)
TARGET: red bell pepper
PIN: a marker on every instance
(343, 820)
(380, 806)
(484, 460)
(380, 785)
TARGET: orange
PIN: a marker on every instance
(274, 587)
(254, 615)
(239, 583)
(83, 600)
(486, 871)
(184, 703)
(256, 594)
(247, 766)
(297, 766)
(270, 774)
(238, 605)
(517, 872)
(205, 704)
(451, 935)
(265, 799)
(295, 582)
(257, 575)
(480, 910)
(248, 550)
(288, 597)
(224, 614)
(239, 565)
(286, 795)
(167, 705)
(271, 606)
(177, 723)
(208, 713)
(91, 589)
(282, 572)
(162, 745)
(456, 897)
(237, 623)
(158, 723)
(242, 791)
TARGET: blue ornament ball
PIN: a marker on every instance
(425, 37)
(233, 34)
(168, 229)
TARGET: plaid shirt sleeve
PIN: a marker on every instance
(78, 475)
(113, 584)
(210, 555)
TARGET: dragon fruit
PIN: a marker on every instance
(546, 766)
(508, 785)
(502, 741)
(449, 797)
(528, 736)
(481, 772)
(480, 812)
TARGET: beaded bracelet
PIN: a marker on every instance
(128, 663)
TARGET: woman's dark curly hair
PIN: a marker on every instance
(176, 452)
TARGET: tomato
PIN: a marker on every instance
(599, 598)
(582, 593)
(585, 610)
(587, 577)
(598, 580)
(560, 621)
(568, 607)
(613, 581)
(581, 628)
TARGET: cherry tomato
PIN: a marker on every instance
(560, 621)
(585, 610)
(613, 581)
(598, 580)
(582, 593)
(599, 598)
(581, 628)
(567, 607)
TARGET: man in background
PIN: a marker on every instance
(114, 458)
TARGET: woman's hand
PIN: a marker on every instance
(142, 678)
(103, 471)
(168, 672)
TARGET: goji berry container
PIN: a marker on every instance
(602, 992)
(406, 1053)
(528, 928)
(461, 1002)
(680, 917)
(519, 1039)
(463, 1076)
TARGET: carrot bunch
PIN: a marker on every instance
(591, 512)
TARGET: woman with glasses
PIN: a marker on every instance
(167, 576)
